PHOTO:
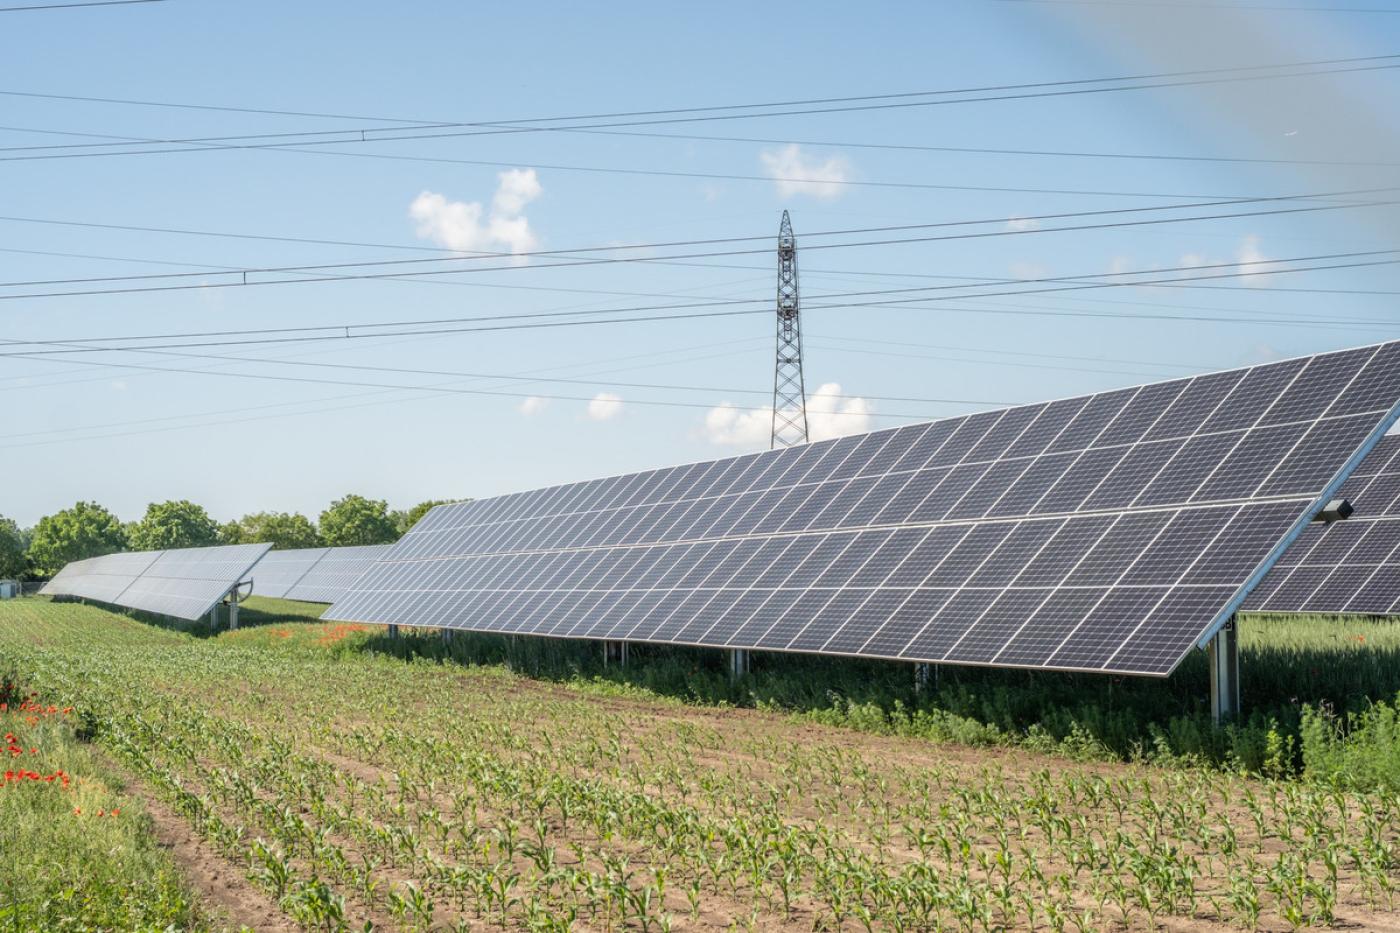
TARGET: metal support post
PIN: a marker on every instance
(738, 662)
(1224, 654)
(615, 652)
(923, 676)
(214, 618)
(393, 630)
(446, 635)
(233, 613)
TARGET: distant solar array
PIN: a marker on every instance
(1110, 532)
(1348, 566)
(313, 575)
(185, 583)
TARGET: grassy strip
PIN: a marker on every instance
(75, 852)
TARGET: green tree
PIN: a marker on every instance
(86, 530)
(283, 530)
(177, 523)
(355, 520)
(405, 520)
(12, 560)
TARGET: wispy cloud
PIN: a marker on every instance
(1253, 263)
(795, 172)
(604, 406)
(532, 406)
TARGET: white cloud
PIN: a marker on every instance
(1248, 255)
(829, 414)
(466, 226)
(733, 427)
(604, 406)
(119, 385)
(532, 405)
(518, 187)
(1027, 271)
(795, 172)
(1022, 224)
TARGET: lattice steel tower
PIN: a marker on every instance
(789, 391)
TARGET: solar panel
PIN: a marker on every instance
(279, 571)
(99, 578)
(1351, 565)
(1110, 532)
(328, 578)
(185, 583)
(188, 582)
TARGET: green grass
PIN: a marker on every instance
(78, 856)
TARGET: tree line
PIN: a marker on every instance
(87, 529)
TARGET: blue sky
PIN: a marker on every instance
(124, 435)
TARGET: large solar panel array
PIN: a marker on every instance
(185, 583)
(313, 575)
(1347, 566)
(1110, 532)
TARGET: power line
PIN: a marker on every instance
(719, 176)
(487, 392)
(244, 281)
(445, 129)
(203, 416)
(69, 6)
(462, 255)
(1087, 281)
(1176, 5)
(713, 107)
(986, 150)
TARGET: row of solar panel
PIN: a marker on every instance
(188, 582)
(722, 553)
(185, 583)
(1207, 405)
(1224, 467)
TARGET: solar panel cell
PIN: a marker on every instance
(959, 613)
(1253, 396)
(990, 633)
(900, 627)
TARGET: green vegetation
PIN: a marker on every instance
(1342, 665)
(89, 530)
(357, 786)
(283, 530)
(77, 853)
(13, 562)
(174, 524)
(355, 520)
(83, 531)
